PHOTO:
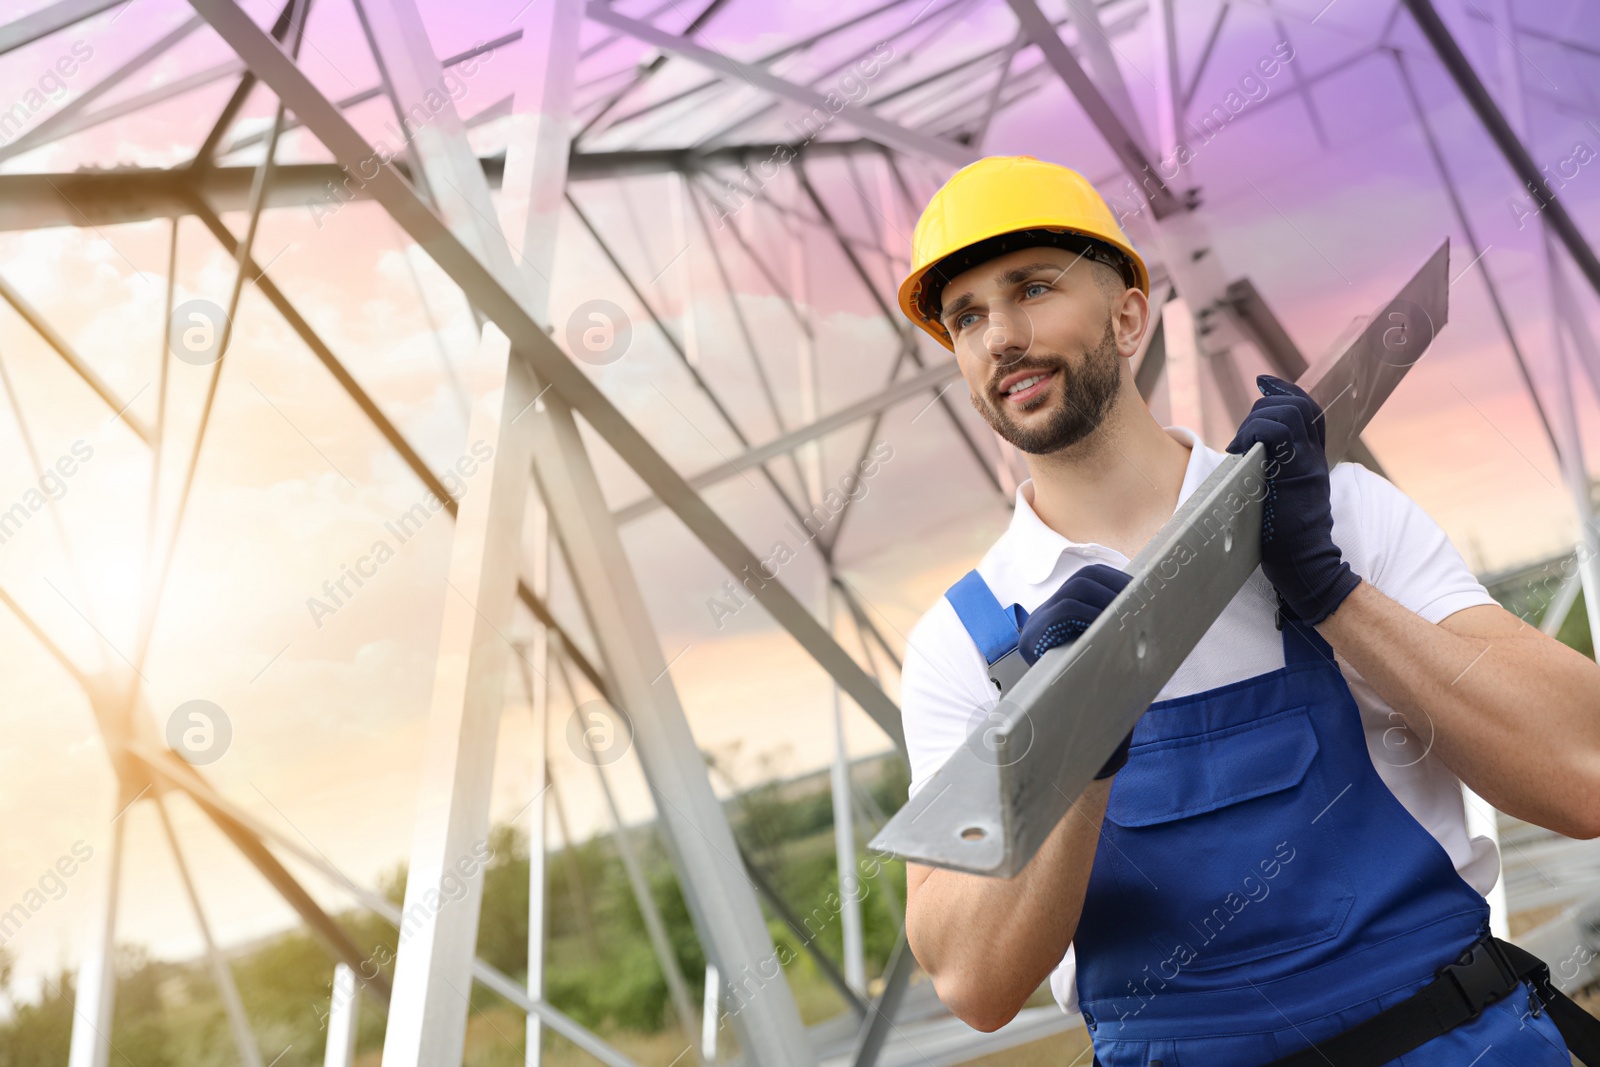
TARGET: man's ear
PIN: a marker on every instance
(1130, 321)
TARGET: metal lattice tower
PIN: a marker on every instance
(763, 152)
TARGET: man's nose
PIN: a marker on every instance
(1004, 337)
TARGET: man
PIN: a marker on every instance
(1278, 854)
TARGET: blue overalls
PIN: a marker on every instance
(1258, 887)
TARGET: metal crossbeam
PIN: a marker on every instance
(875, 1028)
(992, 804)
(1123, 141)
(863, 119)
(767, 59)
(920, 382)
(69, 111)
(48, 334)
(244, 1039)
(109, 198)
(248, 841)
(53, 19)
(1095, 44)
(81, 121)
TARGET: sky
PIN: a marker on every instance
(1327, 202)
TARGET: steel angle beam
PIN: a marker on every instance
(344, 1016)
(993, 803)
(1255, 320)
(875, 1030)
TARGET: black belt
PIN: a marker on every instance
(1486, 972)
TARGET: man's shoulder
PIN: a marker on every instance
(1353, 477)
(1392, 542)
(935, 625)
(939, 630)
(940, 625)
(943, 688)
(1364, 500)
(941, 654)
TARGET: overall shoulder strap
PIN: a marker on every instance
(993, 628)
(1302, 644)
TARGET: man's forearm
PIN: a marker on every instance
(1515, 714)
(989, 942)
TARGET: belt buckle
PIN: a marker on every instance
(1482, 975)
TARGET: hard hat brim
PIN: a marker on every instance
(922, 287)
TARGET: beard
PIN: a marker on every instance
(1086, 395)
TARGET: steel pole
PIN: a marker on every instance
(1505, 138)
(94, 1004)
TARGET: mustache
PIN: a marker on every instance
(1023, 365)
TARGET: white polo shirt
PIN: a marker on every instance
(1385, 537)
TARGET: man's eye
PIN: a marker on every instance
(966, 319)
(1031, 286)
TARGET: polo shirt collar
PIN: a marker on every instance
(1036, 548)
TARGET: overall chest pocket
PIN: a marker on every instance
(1215, 842)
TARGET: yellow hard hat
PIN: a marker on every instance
(997, 205)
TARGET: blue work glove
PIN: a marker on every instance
(1297, 551)
(1063, 618)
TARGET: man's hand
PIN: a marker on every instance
(1061, 619)
(1297, 551)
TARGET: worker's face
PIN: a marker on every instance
(1041, 313)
